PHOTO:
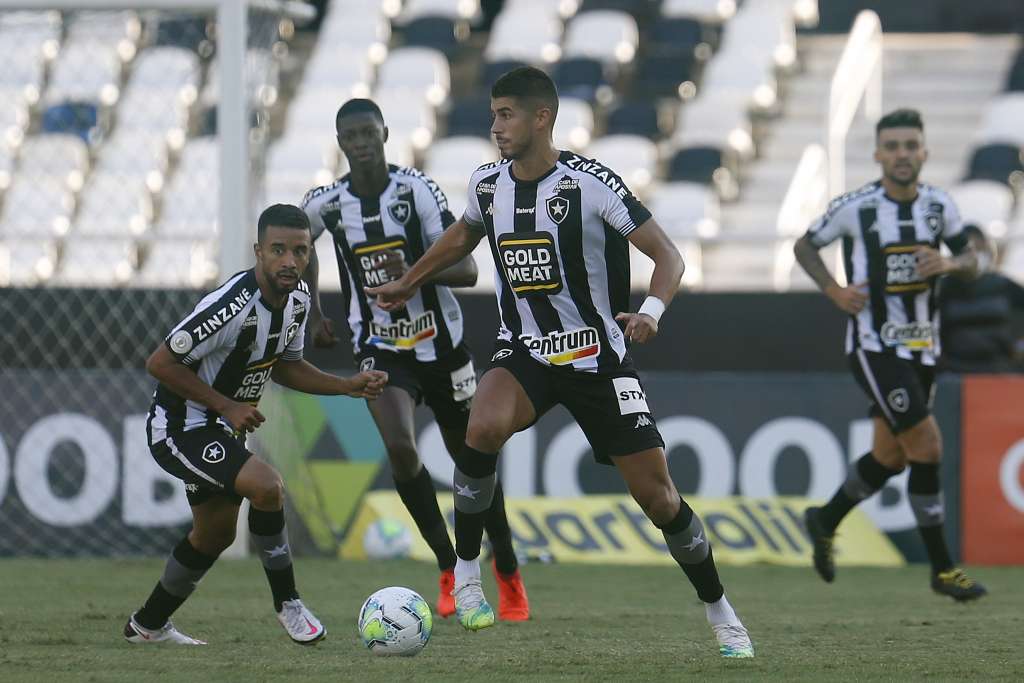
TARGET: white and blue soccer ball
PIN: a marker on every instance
(387, 539)
(395, 621)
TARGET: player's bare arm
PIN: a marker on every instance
(850, 299)
(455, 244)
(321, 326)
(931, 262)
(185, 383)
(462, 274)
(301, 375)
(649, 238)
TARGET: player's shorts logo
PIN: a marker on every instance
(564, 348)
(501, 355)
(558, 208)
(463, 382)
(370, 257)
(214, 452)
(901, 269)
(181, 342)
(404, 334)
(400, 211)
(631, 396)
(917, 336)
(899, 400)
(367, 364)
(530, 263)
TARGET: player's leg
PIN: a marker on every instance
(864, 477)
(213, 530)
(922, 444)
(262, 485)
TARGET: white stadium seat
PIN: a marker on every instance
(418, 70)
(21, 79)
(134, 153)
(715, 120)
(177, 263)
(1002, 122)
(111, 27)
(85, 71)
(407, 118)
(338, 67)
(312, 112)
(705, 11)
(262, 79)
(114, 205)
(36, 208)
(169, 69)
(526, 36)
(356, 30)
(450, 162)
(606, 35)
(191, 202)
(91, 262)
(744, 73)
(574, 124)
(449, 9)
(145, 111)
(985, 203)
(26, 262)
(59, 157)
(686, 210)
(633, 158)
(765, 28)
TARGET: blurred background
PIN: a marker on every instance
(124, 196)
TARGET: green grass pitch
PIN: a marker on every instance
(61, 620)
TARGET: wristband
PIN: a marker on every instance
(653, 306)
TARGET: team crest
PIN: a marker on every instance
(213, 453)
(558, 208)
(899, 400)
(400, 211)
(933, 218)
(290, 334)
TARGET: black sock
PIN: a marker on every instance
(865, 477)
(474, 493)
(184, 568)
(500, 535)
(926, 501)
(271, 541)
(420, 499)
(688, 543)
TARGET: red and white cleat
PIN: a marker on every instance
(299, 622)
(136, 633)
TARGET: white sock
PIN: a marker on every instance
(466, 570)
(720, 612)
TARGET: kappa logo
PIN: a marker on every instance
(367, 364)
(899, 400)
(643, 421)
(400, 211)
(214, 452)
(501, 355)
(558, 208)
(192, 488)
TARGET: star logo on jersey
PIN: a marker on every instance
(400, 211)
(213, 453)
(558, 208)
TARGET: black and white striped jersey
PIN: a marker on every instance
(231, 340)
(562, 259)
(408, 216)
(880, 236)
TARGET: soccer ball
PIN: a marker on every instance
(395, 621)
(386, 539)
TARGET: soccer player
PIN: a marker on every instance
(559, 227)
(891, 231)
(382, 219)
(212, 369)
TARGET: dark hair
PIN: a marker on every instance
(358, 105)
(527, 82)
(900, 118)
(282, 216)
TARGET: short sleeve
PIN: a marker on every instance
(192, 338)
(473, 216)
(829, 227)
(312, 209)
(953, 226)
(293, 351)
(619, 207)
(432, 206)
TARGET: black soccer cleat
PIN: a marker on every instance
(957, 585)
(824, 563)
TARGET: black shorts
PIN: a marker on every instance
(446, 385)
(901, 391)
(207, 459)
(611, 409)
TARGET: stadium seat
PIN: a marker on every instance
(177, 263)
(985, 203)
(113, 205)
(686, 210)
(706, 11)
(582, 78)
(574, 125)
(635, 118)
(190, 32)
(1015, 77)
(417, 70)
(121, 29)
(367, 32)
(744, 74)
(166, 69)
(449, 9)
(262, 79)
(28, 41)
(92, 262)
(437, 33)
(608, 36)
(661, 75)
(564, 9)
(14, 120)
(142, 111)
(678, 36)
(407, 118)
(134, 153)
(77, 118)
(764, 30)
(1002, 121)
(638, 8)
(716, 119)
(27, 262)
(706, 165)
(85, 71)
(525, 35)
(450, 161)
(39, 208)
(999, 162)
(470, 117)
(338, 67)
(311, 112)
(190, 203)
(59, 157)
(632, 157)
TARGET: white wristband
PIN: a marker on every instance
(653, 306)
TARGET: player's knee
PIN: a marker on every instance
(214, 541)
(659, 502)
(891, 458)
(402, 455)
(269, 494)
(487, 436)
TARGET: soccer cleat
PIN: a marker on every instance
(445, 601)
(957, 585)
(824, 562)
(733, 641)
(299, 622)
(136, 633)
(471, 606)
(513, 605)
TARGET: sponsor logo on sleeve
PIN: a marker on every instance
(630, 395)
(404, 334)
(530, 263)
(563, 348)
(221, 316)
(181, 342)
(370, 257)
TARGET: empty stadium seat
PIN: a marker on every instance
(91, 262)
(1002, 121)
(742, 74)
(59, 157)
(707, 165)
(999, 162)
(36, 208)
(85, 71)
(676, 36)
(707, 11)
(114, 205)
(367, 32)
(525, 35)
(166, 69)
(77, 118)
(262, 79)
(574, 125)
(177, 263)
(417, 70)
(583, 78)
(407, 117)
(27, 262)
(450, 161)
(632, 157)
(437, 33)
(191, 202)
(142, 111)
(686, 210)
(449, 9)
(635, 118)
(608, 36)
(985, 203)
(121, 29)
(187, 31)
(492, 71)
(716, 119)
(470, 117)
(661, 75)
(339, 67)
(134, 153)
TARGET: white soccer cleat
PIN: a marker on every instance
(134, 633)
(299, 622)
(733, 641)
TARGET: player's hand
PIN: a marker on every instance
(393, 263)
(640, 327)
(368, 384)
(323, 330)
(850, 299)
(931, 263)
(243, 417)
(392, 296)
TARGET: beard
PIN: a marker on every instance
(906, 181)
